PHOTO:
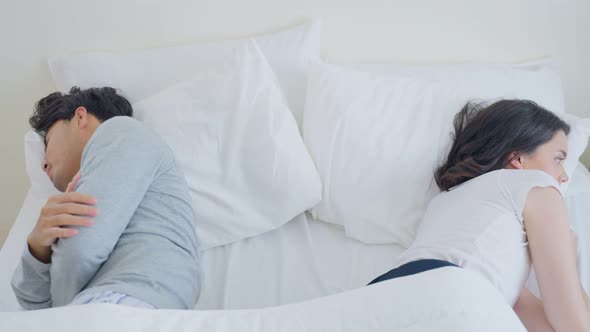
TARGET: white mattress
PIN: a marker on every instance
(301, 260)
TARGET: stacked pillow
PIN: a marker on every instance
(230, 121)
(232, 133)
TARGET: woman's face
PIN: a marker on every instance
(548, 157)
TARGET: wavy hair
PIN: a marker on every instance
(104, 103)
(486, 135)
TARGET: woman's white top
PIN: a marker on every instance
(478, 225)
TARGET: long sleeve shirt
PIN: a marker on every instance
(143, 242)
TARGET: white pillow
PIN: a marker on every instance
(577, 140)
(233, 135)
(141, 73)
(537, 80)
(368, 136)
(34, 158)
(377, 139)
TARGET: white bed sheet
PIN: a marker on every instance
(466, 303)
(302, 260)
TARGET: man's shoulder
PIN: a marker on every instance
(120, 124)
(125, 135)
(126, 130)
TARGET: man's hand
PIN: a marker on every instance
(57, 215)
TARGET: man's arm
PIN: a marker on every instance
(30, 282)
(118, 166)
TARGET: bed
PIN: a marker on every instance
(302, 267)
(309, 277)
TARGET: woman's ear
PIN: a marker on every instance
(515, 161)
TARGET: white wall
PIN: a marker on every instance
(370, 30)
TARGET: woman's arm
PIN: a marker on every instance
(585, 298)
(554, 260)
(531, 312)
(575, 243)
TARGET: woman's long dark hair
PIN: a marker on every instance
(486, 136)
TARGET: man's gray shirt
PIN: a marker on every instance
(143, 242)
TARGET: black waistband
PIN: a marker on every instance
(413, 267)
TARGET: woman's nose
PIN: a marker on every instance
(564, 178)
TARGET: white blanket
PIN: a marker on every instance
(445, 299)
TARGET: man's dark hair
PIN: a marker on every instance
(104, 103)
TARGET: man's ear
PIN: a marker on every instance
(515, 160)
(81, 116)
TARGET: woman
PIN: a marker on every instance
(501, 209)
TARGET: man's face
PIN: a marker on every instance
(63, 153)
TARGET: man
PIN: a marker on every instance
(123, 231)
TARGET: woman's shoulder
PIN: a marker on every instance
(517, 184)
(510, 185)
(533, 174)
(526, 179)
(486, 180)
(511, 179)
